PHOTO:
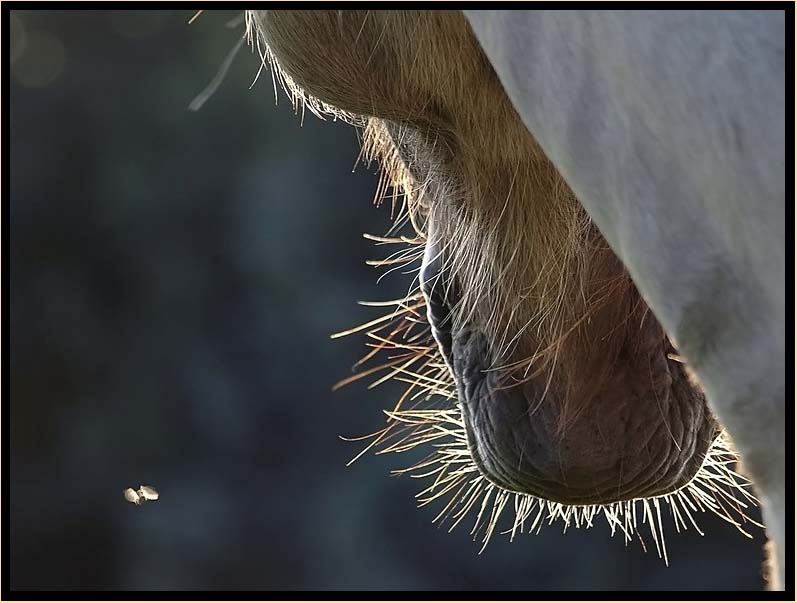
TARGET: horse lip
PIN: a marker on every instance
(522, 451)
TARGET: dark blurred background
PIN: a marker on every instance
(175, 277)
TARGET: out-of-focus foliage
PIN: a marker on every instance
(174, 280)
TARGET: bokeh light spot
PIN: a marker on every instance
(42, 61)
(17, 38)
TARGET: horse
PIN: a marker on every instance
(596, 200)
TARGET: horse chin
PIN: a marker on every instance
(615, 419)
(633, 440)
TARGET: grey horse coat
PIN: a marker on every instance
(670, 128)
